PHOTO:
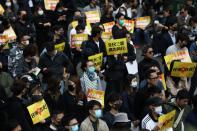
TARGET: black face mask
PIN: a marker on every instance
(71, 88)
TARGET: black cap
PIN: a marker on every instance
(154, 101)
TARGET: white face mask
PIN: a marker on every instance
(26, 42)
(134, 84)
(158, 110)
(40, 12)
(8, 4)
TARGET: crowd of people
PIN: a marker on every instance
(32, 69)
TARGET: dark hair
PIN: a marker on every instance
(57, 27)
(118, 15)
(18, 87)
(148, 73)
(30, 50)
(50, 46)
(113, 97)
(92, 103)
(171, 21)
(53, 85)
(182, 37)
(84, 64)
(183, 94)
(186, 8)
(95, 31)
(79, 27)
(66, 120)
(145, 49)
(167, 9)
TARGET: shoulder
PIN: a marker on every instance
(145, 120)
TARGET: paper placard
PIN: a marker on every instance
(97, 59)
(77, 39)
(93, 16)
(183, 69)
(132, 68)
(1, 9)
(10, 33)
(142, 22)
(106, 36)
(182, 55)
(168, 120)
(38, 111)
(50, 4)
(97, 95)
(116, 46)
(108, 26)
(129, 24)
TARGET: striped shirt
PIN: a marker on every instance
(148, 123)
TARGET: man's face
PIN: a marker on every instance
(182, 102)
(149, 53)
(183, 13)
(153, 79)
(92, 112)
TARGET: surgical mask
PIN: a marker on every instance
(98, 113)
(158, 110)
(8, 4)
(40, 12)
(121, 22)
(91, 69)
(75, 127)
(134, 84)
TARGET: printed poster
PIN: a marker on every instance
(142, 22)
(129, 24)
(168, 120)
(93, 16)
(97, 95)
(38, 111)
(97, 59)
(108, 26)
(116, 46)
(50, 4)
(77, 39)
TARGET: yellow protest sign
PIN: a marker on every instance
(38, 111)
(116, 46)
(3, 39)
(182, 55)
(1, 9)
(108, 26)
(129, 24)
(183, 69)
(97, 95)
(106, 36)
(142, 22)
(10, 33)
(167, 120)
(60, 47)
(74, 24)
(97, 59)
(50, 4)
(77, 39)
(162, 79)
(93, 16)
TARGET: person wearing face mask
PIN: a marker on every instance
(181, 44)
(119, 30)
(112, 107)
(70, 123)
(74, 100)
(150, 121)
(56, 119)
(27, 63)
(90, 79)
(93, 121)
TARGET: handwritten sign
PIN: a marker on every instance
(38, 111)
(116, 46)
(167, 120)
(97, 59)
(182, 55)
(183, 69)
(97, 95)
(77, 39)
(50, 4)
(93, 16)
(142, 22)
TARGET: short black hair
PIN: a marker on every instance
(30, 50)
(182, 37)
(79, 27)
(18, 87)
(148, 73)
(145, 49)
(50, 46)
(171, 21)
(92, 103)
(57, 27)
(183, 94)
(113, 97)
(118, 15)
(95, 30)
(66, 119)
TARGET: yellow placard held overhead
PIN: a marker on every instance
(108, 26)
(182, 55)
(142, 22)
(10, 33)
(1, 9)
(183, 69)
(60, 47)
(93, 16)
(167, 120)
(129, 24)
(97, 59)
(97, 95)
(50, 4)
(38, 111)
(106, 36)
(77, 39)
(116, 46)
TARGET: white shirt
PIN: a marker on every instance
(97, 43)
(148, 123)
(172, 37)
(174, 48)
